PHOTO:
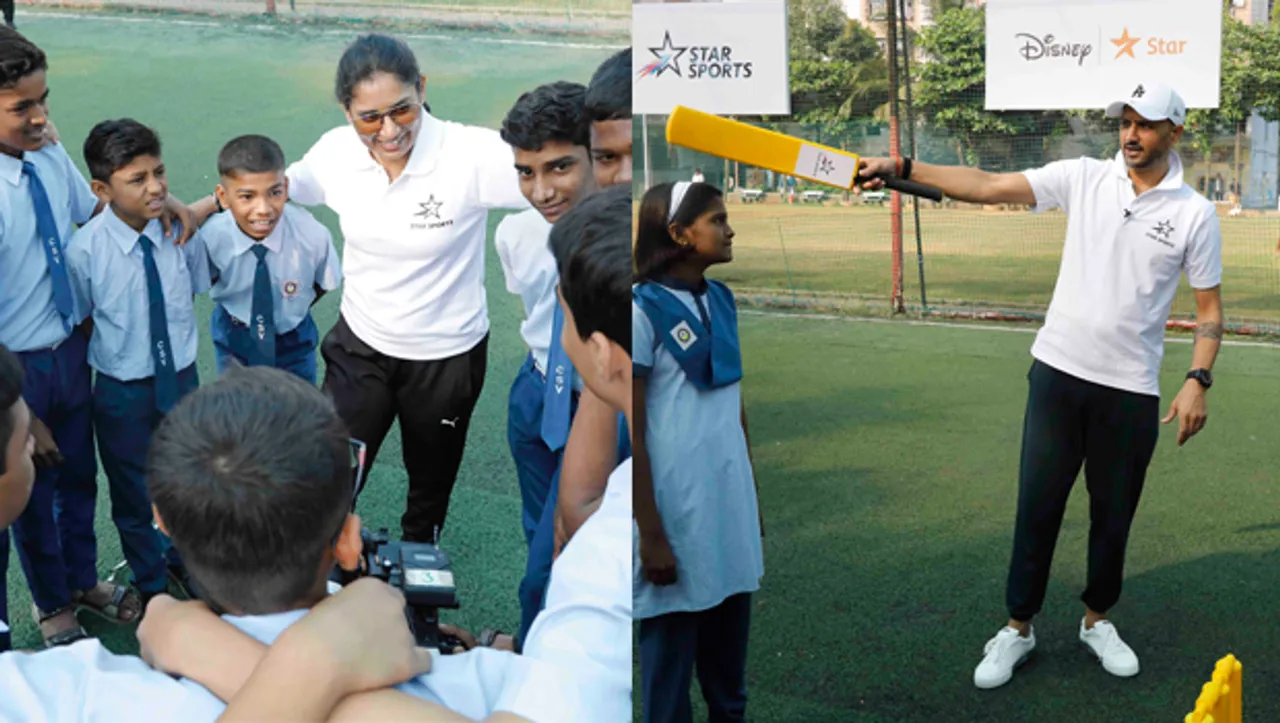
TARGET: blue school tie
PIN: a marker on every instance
(263, 326)
(555, 403)
(48, 231)
(161, 351)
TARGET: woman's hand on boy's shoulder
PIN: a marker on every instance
(176, 211)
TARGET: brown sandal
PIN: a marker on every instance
(66, 637)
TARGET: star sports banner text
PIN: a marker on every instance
(1068, 54)
(725, 58)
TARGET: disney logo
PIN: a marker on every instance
(1036, 48)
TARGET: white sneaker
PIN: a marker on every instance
(1001, 656)
(1105, 643)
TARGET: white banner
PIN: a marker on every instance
(1067, 54)
(726, 58)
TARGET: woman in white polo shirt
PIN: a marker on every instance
(1133, 228)
(412, 193)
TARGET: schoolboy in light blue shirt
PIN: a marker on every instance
(271, 262)
(42, 196)
(138, 290)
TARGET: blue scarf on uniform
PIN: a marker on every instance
(706, 344)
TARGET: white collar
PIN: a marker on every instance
(124, 235)
(1172, 180)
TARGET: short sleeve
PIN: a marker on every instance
(78, 273)
(83, 201)
(641, 342)
(1052, 184)
(499, 184)
(304, 181)
(198, 265)
(329, 270)
(1203, 258)
(503, 242)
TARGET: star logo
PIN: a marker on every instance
(667, 58)
(430, 208)
(1164, 228)
(824, 166)
(1125, 44)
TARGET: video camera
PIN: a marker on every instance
(422, 572)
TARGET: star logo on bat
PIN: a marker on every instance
(430, 208)
(823, 167)
(667, 58)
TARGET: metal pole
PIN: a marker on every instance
(911, 143)
(895, 198)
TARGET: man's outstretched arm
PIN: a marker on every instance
(971, 185)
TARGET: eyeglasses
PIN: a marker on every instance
(359, 451)
(370, 123)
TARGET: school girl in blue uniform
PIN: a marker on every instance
(698, 548)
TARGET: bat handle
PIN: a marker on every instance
(911, 188)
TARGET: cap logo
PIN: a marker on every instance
(1139, 92)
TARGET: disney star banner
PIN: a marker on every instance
(1066, 54)
(726, 58)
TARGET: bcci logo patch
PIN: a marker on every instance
(684, 336)
(290, 289)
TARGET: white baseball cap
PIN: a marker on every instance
(1153, 101)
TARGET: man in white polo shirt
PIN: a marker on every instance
(1133, 227)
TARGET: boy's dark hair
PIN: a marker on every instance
(592, 245)
(252, 477)
(547, 114)
(655, 249)
(19, 57)
(609, 93)
(113, 144)
(11, 379)
(370, 54)
(250, 154)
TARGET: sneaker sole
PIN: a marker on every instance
(1098, 658)
(1021, 661)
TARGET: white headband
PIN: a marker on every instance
(677, 197)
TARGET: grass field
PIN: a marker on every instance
(199, 86)
(887, 457)
(1003, 259)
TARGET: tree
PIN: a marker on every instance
(837, 70)
(951, 93)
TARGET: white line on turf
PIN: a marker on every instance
(406, 36)
(967, 327)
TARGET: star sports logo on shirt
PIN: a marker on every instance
(1161, 232)
(683, 335)
(716, 62)
(428, 209)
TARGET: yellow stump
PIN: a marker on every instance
(1220, 699)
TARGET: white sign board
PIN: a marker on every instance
(1067, 54)
(725, 58)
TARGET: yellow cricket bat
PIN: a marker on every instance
(777, 152)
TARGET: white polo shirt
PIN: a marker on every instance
(413, 254)
(531, 273)
(1121, 264)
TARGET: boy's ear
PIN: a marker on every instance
(101, 190)
(221, 193)
(349, 547)
(160, 521)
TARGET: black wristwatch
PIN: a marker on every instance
(1203, 376)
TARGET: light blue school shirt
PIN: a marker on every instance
(29, 320)
(109, 281)
(702, 481)
(300, 254)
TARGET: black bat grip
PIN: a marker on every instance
(911, 188)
